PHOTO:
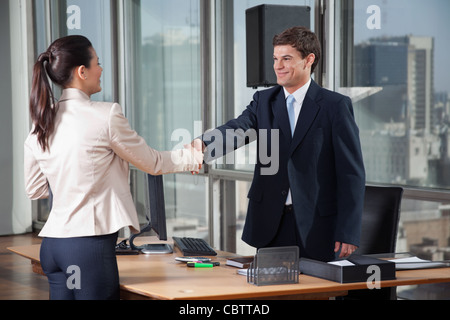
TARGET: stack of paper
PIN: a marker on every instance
(416, 263)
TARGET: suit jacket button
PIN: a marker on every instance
(284, 193)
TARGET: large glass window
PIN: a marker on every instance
(163, 88)
(391, 58)
(397, 73)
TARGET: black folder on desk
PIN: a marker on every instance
(358, 272)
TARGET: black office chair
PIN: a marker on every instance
(379, 230)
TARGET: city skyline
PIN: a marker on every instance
(410, 17)
(404, 127)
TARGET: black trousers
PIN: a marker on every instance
(287, 234)
(82, 268)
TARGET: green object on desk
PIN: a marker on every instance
(202, 265)
(199, 265)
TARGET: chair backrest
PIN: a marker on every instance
(379, 230)
(380, 220)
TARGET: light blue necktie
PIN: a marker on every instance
(290, 107)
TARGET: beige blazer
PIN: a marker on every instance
(87, 168)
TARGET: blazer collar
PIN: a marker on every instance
(307, 115)
(73, 94)
(280, 113)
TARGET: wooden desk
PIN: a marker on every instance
(161, 277)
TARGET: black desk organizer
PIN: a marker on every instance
(348, 274)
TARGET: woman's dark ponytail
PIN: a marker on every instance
(57, 63)
(42, 102)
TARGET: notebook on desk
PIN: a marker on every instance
(240, 262)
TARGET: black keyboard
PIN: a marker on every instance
(193, 246)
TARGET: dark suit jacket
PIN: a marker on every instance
(322, 165)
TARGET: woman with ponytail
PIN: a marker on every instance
(81, 150)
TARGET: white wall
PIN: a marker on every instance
(5, 123)
(15, 207)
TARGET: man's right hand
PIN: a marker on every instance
(199, 146)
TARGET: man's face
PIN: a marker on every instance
(291, 69)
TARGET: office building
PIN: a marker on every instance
(404, 67)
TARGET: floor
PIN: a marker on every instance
(17, 280)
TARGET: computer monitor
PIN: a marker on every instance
(156, 216)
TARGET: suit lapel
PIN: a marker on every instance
(307, 116)
(280, 113)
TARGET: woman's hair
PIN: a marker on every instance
(57, 63)
(302, 39)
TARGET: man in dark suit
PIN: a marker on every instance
(315, 198)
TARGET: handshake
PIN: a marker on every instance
(196, 148)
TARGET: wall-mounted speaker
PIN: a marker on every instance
(262, 24)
